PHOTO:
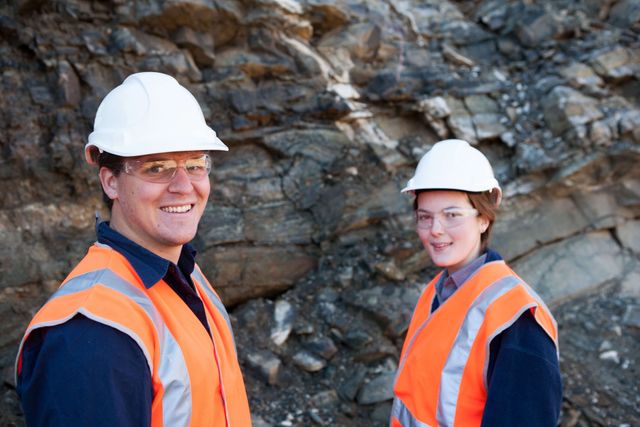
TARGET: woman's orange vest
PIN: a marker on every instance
(442, 376)
(196, 377)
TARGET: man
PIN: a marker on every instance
(135, 335)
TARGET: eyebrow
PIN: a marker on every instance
(443, 209)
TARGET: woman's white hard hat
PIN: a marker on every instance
(453, 164)
(150, 113)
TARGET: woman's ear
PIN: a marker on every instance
(484, 224)
(109, 182)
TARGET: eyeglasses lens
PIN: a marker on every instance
(163, 170)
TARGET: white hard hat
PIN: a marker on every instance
(453, 164)
(150, 113)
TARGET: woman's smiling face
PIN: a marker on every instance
(454, 247)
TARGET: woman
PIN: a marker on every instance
(481, 349)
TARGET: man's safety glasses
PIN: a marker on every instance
(448, 218)
(164, 170)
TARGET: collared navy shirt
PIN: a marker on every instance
(84, 373)
(524, 383)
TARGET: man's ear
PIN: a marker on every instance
(109, 182)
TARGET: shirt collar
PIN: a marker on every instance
(460, 276)
(150, 267)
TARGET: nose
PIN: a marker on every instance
(180, 183)
(436, 227)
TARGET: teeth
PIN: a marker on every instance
(177, 209)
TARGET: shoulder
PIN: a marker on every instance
(81, 337)
(526, 335)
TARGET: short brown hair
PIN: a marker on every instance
(109, 161)
(486, 203)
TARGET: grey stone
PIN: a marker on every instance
(390, 270)
(629, 235)
(363, 206)
(630, 286)
(600, 133)
(350, 382)
(322, 145)
(377, 390)
(610, 355)
(455, 57)
(435, 107)
(380, 350)
(492, 13)
(392, 306)
(277, 223)
(220, 224)
(361, 40)
(283, 318)
(488, 126)
(536, 27)
(573, 266)
(308, 361)
(324, 399)
(357, 338)
(632, 316)
(526, 224)
(462, 127)
(265, 364)
(579, 74)
(625, 13)
(617, 63)
(258, 421)
(243, 272)
(219, 17)
(69, 84)
(303, 182)
(566, 108)
(201, 45)
(322, 346)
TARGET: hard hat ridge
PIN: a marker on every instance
(453, 164)
(150, 113)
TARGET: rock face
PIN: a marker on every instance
(327, 107)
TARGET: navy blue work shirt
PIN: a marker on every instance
(524, 383)
(84, 373)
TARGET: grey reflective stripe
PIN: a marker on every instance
(214, 299)
(451, 376)
(171, 369)
(400, 412)
(220, 307)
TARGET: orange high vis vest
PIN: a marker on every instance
(196, 377)
(442, 375)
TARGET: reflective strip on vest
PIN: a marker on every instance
(215, 300)
(457, 360)
(220, 307)
(171, 369)
(400, 412)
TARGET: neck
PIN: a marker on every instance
(169, 253)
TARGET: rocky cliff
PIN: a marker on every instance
(327, 107)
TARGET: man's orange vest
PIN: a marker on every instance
(442, 376)
(196, 378)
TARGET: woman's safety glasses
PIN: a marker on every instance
(164, 170)
(448, 218)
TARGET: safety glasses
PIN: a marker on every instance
(164, 170)
(448, 218)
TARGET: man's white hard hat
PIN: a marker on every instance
(150, 113)
(453, 164)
